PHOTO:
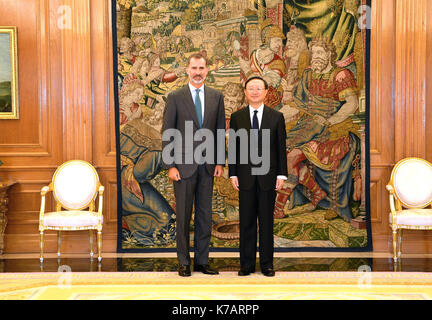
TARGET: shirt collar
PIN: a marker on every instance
(260, 109)
(193, 89)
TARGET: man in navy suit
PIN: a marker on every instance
(257, 190)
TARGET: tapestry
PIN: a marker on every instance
(314, 56)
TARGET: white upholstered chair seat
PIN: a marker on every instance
(71, 218)
(413, 217)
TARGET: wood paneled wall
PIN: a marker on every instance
(67, 109)
(67, 112)
(401, 103)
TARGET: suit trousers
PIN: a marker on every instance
(198, 190)
(256, 205)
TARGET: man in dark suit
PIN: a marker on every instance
(257, 189)
(190, 110)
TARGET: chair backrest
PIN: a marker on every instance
(412, 182)
(75, 184)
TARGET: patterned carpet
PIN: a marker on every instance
(226, 286)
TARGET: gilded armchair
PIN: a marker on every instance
(410, 188)
(75, 185)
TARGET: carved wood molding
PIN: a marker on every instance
(410, 78)
(77, 79)
(382, 61)
(35, 91)
(376, 75)
(102, 59)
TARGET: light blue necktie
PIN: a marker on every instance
(198, 108)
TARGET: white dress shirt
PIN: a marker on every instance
(201, 95)
(259, 116)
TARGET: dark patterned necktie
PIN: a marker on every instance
(255, 120)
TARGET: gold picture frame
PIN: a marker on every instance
(9, 107)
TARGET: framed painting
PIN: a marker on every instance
(9, 108)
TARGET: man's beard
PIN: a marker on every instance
(318, 64)
(197, 79)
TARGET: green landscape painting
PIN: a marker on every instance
(9, 106)
(5, 73)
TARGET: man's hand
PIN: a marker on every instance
(218, 171)
(235, 183)
(174, 174)
(279, 184)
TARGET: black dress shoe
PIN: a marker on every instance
(184, 270)
(205, 268)
(268, 272)
(242, 273)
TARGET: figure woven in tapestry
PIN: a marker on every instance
(313, 55)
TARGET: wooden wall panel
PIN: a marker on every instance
(76, 76)
(65, 82)
(411, 75)
(410, 67)
(104, 146)
(382, 60)
(428, 84)
(400, 87)
(31, 149)
(31, 136)
(67, 109)
(28, 45)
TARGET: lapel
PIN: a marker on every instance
(207, 105)
(190, 106)
(245, 120)
(265, 121)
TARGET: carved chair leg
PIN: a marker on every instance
(99, 240)
(41, 246)
(395, 244)
(91, 243)
(59, 239)
(400, 244)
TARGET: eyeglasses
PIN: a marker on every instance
(256, 89)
